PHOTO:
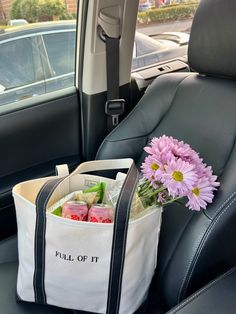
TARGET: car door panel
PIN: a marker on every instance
(21, 93)
(33, 139)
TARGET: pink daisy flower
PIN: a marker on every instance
(208, 172)
(181, 150)
(158, 144)
(152, 169)
(175, 170)
(167, 148)
(179, 178)
(200, 195)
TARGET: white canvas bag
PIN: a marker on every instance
(95, 267)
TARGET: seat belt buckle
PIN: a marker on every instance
(115, 108)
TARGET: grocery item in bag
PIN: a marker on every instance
(75, 210)
(101, 213)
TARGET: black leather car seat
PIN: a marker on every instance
(199, 109)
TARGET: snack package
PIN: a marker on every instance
(137, 207)
(92, 195)
(99, 189)
(113, 194)
(89, 198)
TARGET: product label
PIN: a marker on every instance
(79, 258)
(90, 183)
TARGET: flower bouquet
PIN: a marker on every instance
(172, 171)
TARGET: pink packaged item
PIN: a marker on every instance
(75, 210)
(100, 213)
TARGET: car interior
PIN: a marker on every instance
(191, 100)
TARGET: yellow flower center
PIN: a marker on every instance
(196, 191)
(154, 167)
(177, 176)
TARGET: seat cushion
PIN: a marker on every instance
(8, 302)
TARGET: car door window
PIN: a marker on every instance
(38, 57)
(17, 60)
(60, 49)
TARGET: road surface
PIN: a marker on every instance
(175, 26)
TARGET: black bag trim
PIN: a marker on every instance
(120, 230)
(39, 240)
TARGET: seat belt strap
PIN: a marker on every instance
(109, 29)
(112, 63)
(114, 105)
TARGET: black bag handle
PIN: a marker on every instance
(120, 230)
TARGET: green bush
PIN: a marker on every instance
(3, 22)
(143, 17)
(37, 10)
(170, 5)
(168, 13)
(68, 16)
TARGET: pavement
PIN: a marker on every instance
(175, 26)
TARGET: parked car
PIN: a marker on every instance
(148, 51)
(17, 22)
(144, 6)
(181, 38)
(35, 59)
(45, 56)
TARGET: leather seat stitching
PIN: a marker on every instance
(171, 104)
(192, 257)
(179, 240)
(199, 292)
(126, 139)
(199, 249)
(220, 208)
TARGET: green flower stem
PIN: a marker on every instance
(171, 201)
(144, 187)
(155, 192)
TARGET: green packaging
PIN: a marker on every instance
(57, 211)
(99, 188)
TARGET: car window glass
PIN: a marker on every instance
(60, 49)
(166, 22)
(37, 48)
(16, 63)
(145, 45)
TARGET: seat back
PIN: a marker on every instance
(199, 109)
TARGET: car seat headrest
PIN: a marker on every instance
(212, 44)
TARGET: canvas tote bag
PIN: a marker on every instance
(94, 267)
